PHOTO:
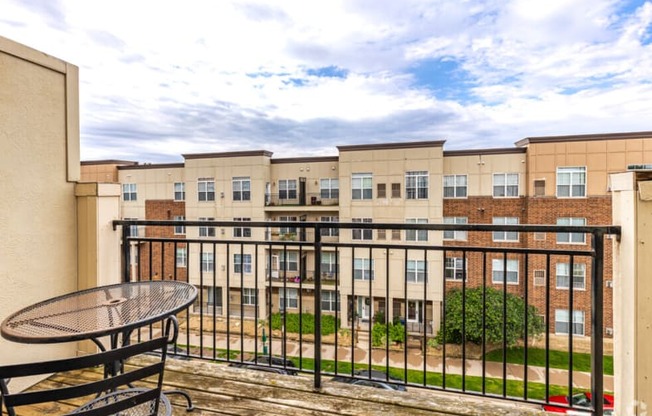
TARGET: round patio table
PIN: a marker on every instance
(97, 312)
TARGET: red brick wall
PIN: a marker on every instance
(534, 210)
(158, 260)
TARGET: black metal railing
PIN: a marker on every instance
(256, 298)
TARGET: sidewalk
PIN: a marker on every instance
(414, 360)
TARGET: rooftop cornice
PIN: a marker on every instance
(245, 153)
(497, 151)
(152, 166)
(390, 146)
(312, 159)
(584, 137)
(108, 162)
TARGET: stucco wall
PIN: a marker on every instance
(39, 132)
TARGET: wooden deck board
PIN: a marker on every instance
(217, 390)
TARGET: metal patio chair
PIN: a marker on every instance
(114, 393)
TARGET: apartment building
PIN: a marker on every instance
(542, 180)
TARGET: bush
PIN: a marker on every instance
(328, 324)
(379, 334)
(493, 318)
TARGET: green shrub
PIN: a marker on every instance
(328, 324)
(515, 322)
(397, 333)
(378, 333)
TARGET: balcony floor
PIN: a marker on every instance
(217, 389)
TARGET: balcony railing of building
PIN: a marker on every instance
(329, 198)
(257, 299)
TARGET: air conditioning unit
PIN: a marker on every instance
(609, 331)
(609, 283)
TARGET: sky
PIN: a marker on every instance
(159, 79)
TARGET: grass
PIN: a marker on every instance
(558, 359)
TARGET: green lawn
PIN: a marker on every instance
(558, 359)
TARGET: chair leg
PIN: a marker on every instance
(189, 407)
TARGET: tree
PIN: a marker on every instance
(493, 317)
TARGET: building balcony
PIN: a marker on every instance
(293, 201)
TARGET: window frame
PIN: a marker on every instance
(242, 261)
(205, 230)
(567, 238)
(207, 194)
(249, 296)
(287, 230)
(329, 188)
(333, 303)
(573, 172)
(183, 257)
(207, 262)
(287, 189)
(455, 235)
(179, 229)
(361, 234)
(179, 189)
(129, 192)
(416, 235)
(498, 271)
(579, 274)
(581, 323)
(330, 232)
(292, 296)
(456, 267)
(363, 269)
(416, 184)
(362, 185)
(292, 261)
(416, 271)
(243, 185)
(506, 186)
(242, 232)
(455, 186)
(505, 236)
(329, 262)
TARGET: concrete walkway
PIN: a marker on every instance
(415, 360)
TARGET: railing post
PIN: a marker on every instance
(318, 307)
(597, 309)
(126, 251)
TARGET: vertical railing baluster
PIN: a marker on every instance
(597, 348)
(318, 341)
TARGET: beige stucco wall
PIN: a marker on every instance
(39, 131)
(600, 157)
(480, 169)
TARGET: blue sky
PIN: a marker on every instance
(298, 77)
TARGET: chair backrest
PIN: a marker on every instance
(112, 380)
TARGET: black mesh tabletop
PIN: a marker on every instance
(97, 312)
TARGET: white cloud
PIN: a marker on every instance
(161, 78)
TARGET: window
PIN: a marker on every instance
(416, 271)
(288, 298)
(329, 263)
(563, 276)
(571, 238)
(498, 271)
(455, 186)
(179, 191)
(329, 301)
(287, 230)
(363, 269)
(505, 235)
(207, 262)
(381, 234)
(453, 268)
(396, 235)
(381, 190)
(248, 296)
(289, 260)
(361, 185)
(360, 234)
(287, 189)
(179, 229)
(454, 234)
(242, 263)
(571, 182)
(241, 189)
(563, 324)
(214, 296)
(205, 231)
(416, 185)
(241, 231)
(330, 232)
(540, 187)
(396, 190)
(133, 229)
(416, 235)
(505, 185)
(129, 192)
(329, 188)
(206, 189)
(539, 277)
(182, 257)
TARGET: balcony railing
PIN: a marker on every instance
(296, 199)
(256, 299)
